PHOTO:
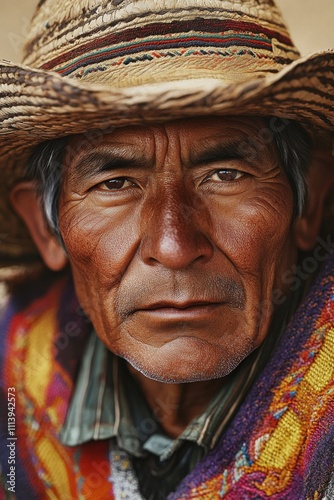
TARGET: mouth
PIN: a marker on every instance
(180, 311)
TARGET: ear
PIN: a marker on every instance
(320, 181)
(307, 227)
(26, 203)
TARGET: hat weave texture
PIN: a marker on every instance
(95, 64)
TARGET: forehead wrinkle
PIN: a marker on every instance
(166, 144)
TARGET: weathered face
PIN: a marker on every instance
(177, 236)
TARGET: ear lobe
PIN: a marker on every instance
(26, 203)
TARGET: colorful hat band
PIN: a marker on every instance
(198, 37)
(115, 43)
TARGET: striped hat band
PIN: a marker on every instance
(133, 43)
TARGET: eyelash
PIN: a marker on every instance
(229, 171)
(239, 174)
(115, 179)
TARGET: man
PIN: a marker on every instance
(160, 182)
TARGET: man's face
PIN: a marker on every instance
(177, 235)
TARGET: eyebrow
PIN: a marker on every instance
(97, 162)
(214, 149)
(221, 150)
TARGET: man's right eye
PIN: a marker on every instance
(115, 184)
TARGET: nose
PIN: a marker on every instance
(172, 234)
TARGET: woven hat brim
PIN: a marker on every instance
(38, 105)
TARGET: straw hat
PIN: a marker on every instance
(93, 64)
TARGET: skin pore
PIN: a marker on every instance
(176, 235)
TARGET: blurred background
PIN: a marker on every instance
(311, 24)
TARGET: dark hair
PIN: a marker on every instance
(294, 147)
(45, 167)
(292, 142)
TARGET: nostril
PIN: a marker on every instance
(175, 251)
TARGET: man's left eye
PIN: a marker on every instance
(115, 184)
(226, 175)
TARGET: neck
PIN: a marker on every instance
(176, 405)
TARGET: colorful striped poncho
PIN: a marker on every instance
(280, 445)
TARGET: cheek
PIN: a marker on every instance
(255, 230)
(99, 239)
(256, 236)
(100, 246)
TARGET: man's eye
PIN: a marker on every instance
(115, 184)
(226, 175)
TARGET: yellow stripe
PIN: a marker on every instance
(322, 371)
(56, 473)
(283, 443)
(39, 359)
(282, 449)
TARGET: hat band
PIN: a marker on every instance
(200, 37)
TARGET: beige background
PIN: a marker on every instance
(311, 23)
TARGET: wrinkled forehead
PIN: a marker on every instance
(242, 136)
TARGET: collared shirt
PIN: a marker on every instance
(107, 403)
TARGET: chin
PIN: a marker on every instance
(187, 364)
